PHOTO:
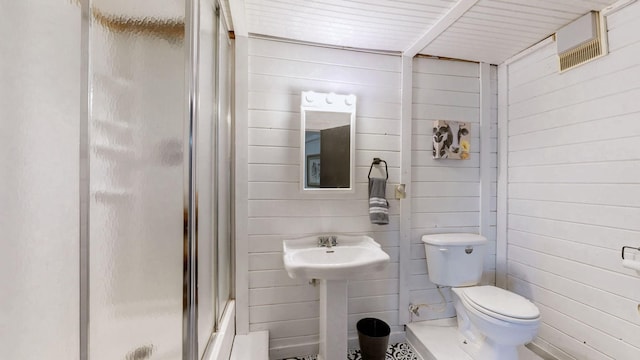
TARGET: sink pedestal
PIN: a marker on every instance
(333, 320)
(352, 256)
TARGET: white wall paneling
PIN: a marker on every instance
(398, 98)
(237, 12)
(277, 210)
(503, 154)
(40, 139)
(446, 194)
(572, 187)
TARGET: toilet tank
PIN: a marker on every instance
(454, 259)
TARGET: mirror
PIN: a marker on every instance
(328, 128)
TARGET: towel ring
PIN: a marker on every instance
(377, 161)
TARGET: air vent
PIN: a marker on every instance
(581, 41)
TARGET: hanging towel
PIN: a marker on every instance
(378, 204)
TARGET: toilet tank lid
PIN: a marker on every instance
(454, 239)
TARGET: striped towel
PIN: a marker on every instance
(378, 204)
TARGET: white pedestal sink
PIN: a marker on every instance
(333, 266)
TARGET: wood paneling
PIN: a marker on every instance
(446, 193)
(494, 30)
(379, 24)
(491, 31)
(573, 194)
(278, 72)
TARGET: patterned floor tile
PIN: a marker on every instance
(400, 351)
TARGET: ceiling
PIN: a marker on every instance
(480, 30)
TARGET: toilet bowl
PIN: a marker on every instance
(492, 322)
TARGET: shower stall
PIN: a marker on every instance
(115, 196)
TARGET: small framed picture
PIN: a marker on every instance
(451, 140)
(313, 170)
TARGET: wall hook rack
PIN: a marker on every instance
(377, 161)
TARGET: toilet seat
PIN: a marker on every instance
(500, 304)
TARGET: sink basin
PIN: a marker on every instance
(353, 255)
(334, 267)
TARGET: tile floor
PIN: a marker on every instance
(400, 351)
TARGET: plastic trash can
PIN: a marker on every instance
(373, 337)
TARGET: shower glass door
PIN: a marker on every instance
(206, 179)
(136, 151)
(109, 197)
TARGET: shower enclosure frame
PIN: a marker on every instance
(190, 349)
(190, 235)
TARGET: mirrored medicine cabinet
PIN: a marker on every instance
(327, 145)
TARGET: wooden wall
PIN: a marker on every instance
(446, 193)
(574, 194)
(278, 72)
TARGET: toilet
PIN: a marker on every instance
(492, 322)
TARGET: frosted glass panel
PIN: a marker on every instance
(206, 179)
(39, 150)
(224, 171)
(136, 205)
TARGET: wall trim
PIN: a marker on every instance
(448, 19)
(538, 350)
(327, 46)
(615, 7)
(241, 180)
(84, 189)
(485, 148)
(503, 178)
(405, 178)
(190, 185)
(528, 51)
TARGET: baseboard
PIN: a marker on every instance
(539, 348)
(418, 346)
(254, 346)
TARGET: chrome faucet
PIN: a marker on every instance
(327, 241)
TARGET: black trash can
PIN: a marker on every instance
(373, 336)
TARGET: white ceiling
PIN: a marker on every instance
(490, 31)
